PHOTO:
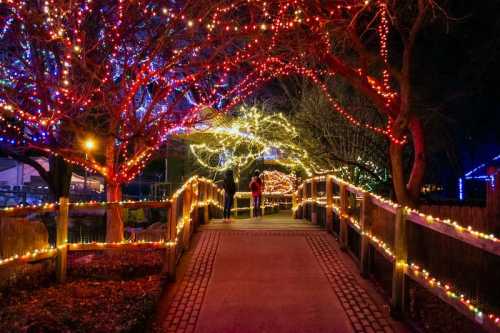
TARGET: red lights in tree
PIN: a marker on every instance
(124, 74)
(129, 73)
(350, 40)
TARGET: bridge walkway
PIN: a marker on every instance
(271, 275)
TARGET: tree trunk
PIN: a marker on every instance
(59, 177)
(407, 193)
(114, 214)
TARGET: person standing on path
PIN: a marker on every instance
(257, 187)
(229, 191)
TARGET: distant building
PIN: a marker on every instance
(21, 183)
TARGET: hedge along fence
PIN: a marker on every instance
(397, 245)
(188, 206)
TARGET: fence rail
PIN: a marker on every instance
(395, 244)
(187, 207)
(271, 202)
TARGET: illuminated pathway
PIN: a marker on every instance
(275, 275)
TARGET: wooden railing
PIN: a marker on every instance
(271, 203)
(399, 246)
(188, 206)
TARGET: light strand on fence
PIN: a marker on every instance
(410, 268)
(77, 246)
(414, 269)
(30, 255)
(380, 244)
(451, 293)
(410, 211)
(47, 206)
(432, 282)
(38, 253)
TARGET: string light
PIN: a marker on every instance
(251, 135)
(410, 268)
(142, 128)
(411, 212)
(278, 182)
(51, 251)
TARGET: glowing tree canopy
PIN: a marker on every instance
(278, 182)
(349, 40)
(236, 142)
(120, 74)
(130, 72)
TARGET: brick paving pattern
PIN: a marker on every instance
(363, 313)
(185, 307)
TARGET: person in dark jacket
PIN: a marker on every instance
(229, 191)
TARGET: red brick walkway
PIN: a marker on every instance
(271, 281)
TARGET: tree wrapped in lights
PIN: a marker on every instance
(278, 182)
(132, 72)
(350, 40)
(124, 74)
(236, 142)
(356, 155)
(342, 36)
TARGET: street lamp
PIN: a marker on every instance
(88, 146)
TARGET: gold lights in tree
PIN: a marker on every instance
(251, 134)
(278, 182)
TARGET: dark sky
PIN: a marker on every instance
(457, 77)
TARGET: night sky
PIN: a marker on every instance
(458, 63)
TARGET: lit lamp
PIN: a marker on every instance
(88, 146)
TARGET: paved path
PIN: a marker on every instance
(280, 280)
(281, 221)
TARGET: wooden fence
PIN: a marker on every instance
(397, 246)
(187, 207)
(271, 203)
(476, 217)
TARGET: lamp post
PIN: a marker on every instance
(88, 146)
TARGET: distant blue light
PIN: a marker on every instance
(474, 170)
(478, 177)
(460, 188)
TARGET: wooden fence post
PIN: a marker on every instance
(329, 204)
(399, 265)
(493, 198)
(211, 197)
(314, 197)
(343, 213)
(304, 201)
(250, 203)
(171, 236)
(186, 215)
(366, 223)
(62, 239)
(195, 196)
(235, 205)
(206, 213)
(221, 202)
(294, 205)
(300, 199)
(262, 205)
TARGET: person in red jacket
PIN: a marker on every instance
(257, 187)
